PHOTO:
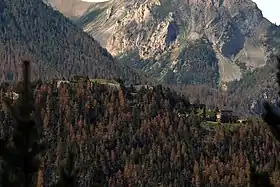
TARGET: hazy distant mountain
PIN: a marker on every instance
(70, 8)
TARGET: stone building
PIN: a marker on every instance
(226, 116)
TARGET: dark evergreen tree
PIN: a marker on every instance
(67, 170)
(272, 118)
(259, 179)
(20, 150)
(271, 115)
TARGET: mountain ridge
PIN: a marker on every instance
(155, 35)
(138, 33)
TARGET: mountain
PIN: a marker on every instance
(57, 47)
(70, 8)
(183, 42)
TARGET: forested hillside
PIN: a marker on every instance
(107, 127)
(126, 137)
(32, 29)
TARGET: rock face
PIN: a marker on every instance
(183, 41)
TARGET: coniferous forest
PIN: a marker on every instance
(111, 127)
(84, 133)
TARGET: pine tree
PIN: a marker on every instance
(259, 179)
(20, 151)
(271, 116)
(67, 170)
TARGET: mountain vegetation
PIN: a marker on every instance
(79, 118)
(125, 136)
(58, 48)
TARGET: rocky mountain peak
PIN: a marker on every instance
(183, 41)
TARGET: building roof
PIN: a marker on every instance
(226, 110)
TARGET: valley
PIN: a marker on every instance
(181, 43)
(138, 93)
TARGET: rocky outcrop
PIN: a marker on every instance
(231, 41)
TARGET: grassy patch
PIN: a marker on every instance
(103, 81)
(228, 127)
